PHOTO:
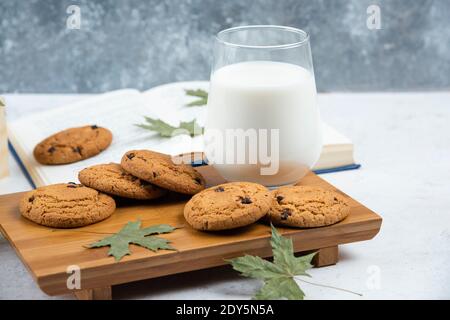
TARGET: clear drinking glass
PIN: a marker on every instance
(262, 123)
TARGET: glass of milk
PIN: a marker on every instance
(262, 123)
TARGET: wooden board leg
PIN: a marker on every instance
(326, 256)
(104, 293)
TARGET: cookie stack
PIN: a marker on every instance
(142, 175)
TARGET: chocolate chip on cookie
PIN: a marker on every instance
(227, 206)
(66, 205)
(285, 213)
(159, 169)
(219, 189)
(245, 200)
(112, 179)
(306, 206)
(72, 145)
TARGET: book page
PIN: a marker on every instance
(331, 137)
(119, 112)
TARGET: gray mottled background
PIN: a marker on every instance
(140, 43)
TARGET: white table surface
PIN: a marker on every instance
(402, 141)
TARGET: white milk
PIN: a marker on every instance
(266, 95)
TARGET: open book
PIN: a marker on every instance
(119, 111)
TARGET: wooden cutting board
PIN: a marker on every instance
(48, 253)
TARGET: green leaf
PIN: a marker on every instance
(256, 267)
(283, 255)
(164, 129)
(282, 248)
(192, 127)
(278, 276)
(2, 102)
(197, 103)
(303, 263)
(280, 288)
(132, 233)
(157, 229)
(199, 93)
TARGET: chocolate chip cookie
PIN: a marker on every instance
(227, 206)
(73, 145)
(306, 207)
(160, 170)
(112, 179)
(66, 205)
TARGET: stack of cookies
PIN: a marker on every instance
(142, 174)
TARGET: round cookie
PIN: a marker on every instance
(66, 205)
(227, 206)
(112, 179)
(306, 207)
(72, 145)
(159, 169)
